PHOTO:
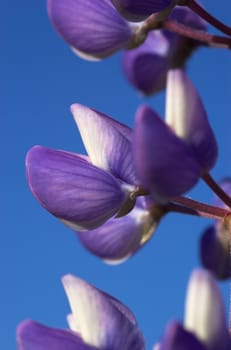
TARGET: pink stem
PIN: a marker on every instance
(193, 5)
(217, 189)
(194, 34)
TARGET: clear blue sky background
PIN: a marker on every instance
(40, 78)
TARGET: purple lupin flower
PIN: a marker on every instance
(138, 10)
(94, 29)
(84, 192)
(146, 66)
(97, 322)
(170, 157)
(215, 241)
(204, 325)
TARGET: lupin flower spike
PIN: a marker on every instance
(97, 322)
(170, 157)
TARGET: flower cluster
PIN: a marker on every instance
(115, 196)
(119, 192)
(99, 321)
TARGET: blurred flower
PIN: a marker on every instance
(97, 322)
(204, 325)
(170, 157)
(94, 29)
(138, 10)
(146, 66)
(215, 243)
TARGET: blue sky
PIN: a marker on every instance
(40, 79)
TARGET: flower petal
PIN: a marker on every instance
(138, 10)
(100, 322)
(165, 164)
(215, 250)
(92, 27)
(146, 66)
(34, 336)
(176, 338)
(119, 238)
(68, 186)
(204, 311)
(185, 113)
(107, 142)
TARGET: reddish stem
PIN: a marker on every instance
(202, 209)
(194, 6)
(217, 189)
(195, 34)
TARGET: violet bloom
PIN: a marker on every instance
(97, 322)
(171, 156)
(94, 29)
(84, 192)
(138, 10)
(146, 66)
(120, 238)
(204, 324)
(215, 241)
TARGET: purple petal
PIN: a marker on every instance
(119, 238)
(188, 17)
(34, 336)
(215, 250)
(80, 194)
(138, 10)
(94, 28)
(186, 115)
(205, 312)
(177, 338)
(165, 164)
(107, 142)
(101, 323)
(146, 66)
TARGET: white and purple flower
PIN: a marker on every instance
(171, 156)
(204, 322)
(98, 322)
(115, 197)
(85, 192)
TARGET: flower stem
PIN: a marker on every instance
(194, 6)
(173, 207)
(204, 37)
(217, 189)
(200, 209)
